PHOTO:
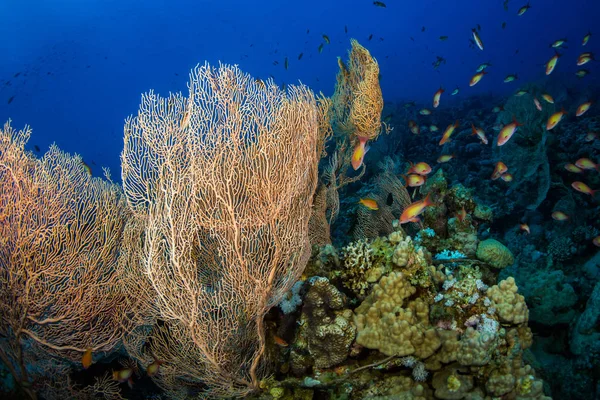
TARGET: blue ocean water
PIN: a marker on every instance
(82, 66)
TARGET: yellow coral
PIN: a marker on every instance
(385, 323)
(510, 306)
(495, 254)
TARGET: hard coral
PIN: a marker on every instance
(495, 254)
(510, 305)
(386, 323)
(326, 329)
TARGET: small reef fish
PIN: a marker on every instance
(596, 241)
(525, 227)
(286, 63)
(326, 39)
(359, 152)
(461, 215)
(449, 130)
(455, 91)
(537, 104)
(581, 73)
(379, 4)
(86, 360)
(511, 78)
(500, 169)
(586, 163)
(321, 48)
(300, 56)
(583, 188)
(420, 168)
(123, 375)
(582, 109)
(559, 216)
(590, 136)
(555, 119)
(412, 212)
(87, 168)
(436, 97)
(154, 368)
(558, 43)
(551, 64)
(548, 98)
(523, 9)
(507, 132)
(521, 92)
(586, 39)
(445, 158)
(414, 180)
(425, 111)
(480, 134)
(369, 203)
(573, 168)
(279, 341)
(477, 39)
(443, 38)
(483, 66)
(476, 78)
(414, 127)
(507, 177)
(497, 109)
(433, 128)
(584, 58)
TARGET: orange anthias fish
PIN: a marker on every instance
(436, 97)
(583, 108)
(548, 98)
(462, 214)
(279, 341)
(559, 216)
(123, 375)
(369, 203)
(420, 168)
(525, 227)
(537, 104)
(585, 58)
(499, 170)
(507, 177)
(480, 134)
(152, 369)
(573, 168)
(413, 180)
(449, 130)
(359, 152)
(507, 132)
(86, 360)
(476, 78)
(586, 163)
(523, 9)
(551, 64)
(596, 241)
(445, 158)
(586, 38)
(477, 39)
(414, 127)
(583, 188)
(555, 119)
(412, 212)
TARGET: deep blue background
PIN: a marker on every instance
(84, 63)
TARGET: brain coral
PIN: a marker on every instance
(495, 254)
